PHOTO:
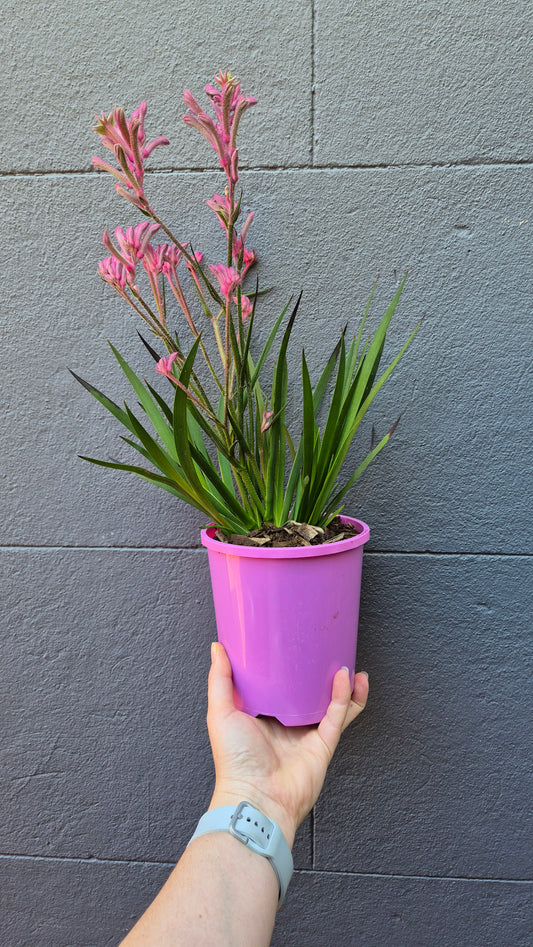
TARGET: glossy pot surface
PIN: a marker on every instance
(287, 618)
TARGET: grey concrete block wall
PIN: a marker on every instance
(387, 136)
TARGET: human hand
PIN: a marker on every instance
(279, 769)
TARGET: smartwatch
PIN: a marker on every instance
(257, 832)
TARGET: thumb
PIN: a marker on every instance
(220, 683)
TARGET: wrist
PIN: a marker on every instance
(225, 795)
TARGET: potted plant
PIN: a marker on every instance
(285, 565)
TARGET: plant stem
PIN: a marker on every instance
(188, 256)
(227, 349)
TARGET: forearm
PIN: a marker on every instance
(220, 893)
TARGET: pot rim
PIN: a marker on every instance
(287, 552)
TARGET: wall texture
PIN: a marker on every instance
(388, 135)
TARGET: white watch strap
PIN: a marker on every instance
(257, 832)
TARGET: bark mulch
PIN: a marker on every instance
(291, 534)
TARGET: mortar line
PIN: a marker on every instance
(7, 856)
(457, 554)
(280, 169)
(313, 20)
(385, 875)
(303, 871)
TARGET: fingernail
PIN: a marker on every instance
(365, 673)
(213, 652)
(344, 668)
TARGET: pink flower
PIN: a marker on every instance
(164, 365)
(203, 123)
(248, 256)
(154, 262)
(170, 270)
(227, 277)
(246, 225)
(229, 105)
(132, 244)
(246, 307)
(222, 208)
(171, 261)
(114, 272)
(127, 140)
(267, 420)
(241, 256)
(154, 258)
(198, 257)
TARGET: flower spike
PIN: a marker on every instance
(229, 105)
(127, 140)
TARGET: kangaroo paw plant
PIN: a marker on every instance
(219, 439)
(285, 567)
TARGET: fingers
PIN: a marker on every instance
(358, 698)
(220, 682)
(345, 706)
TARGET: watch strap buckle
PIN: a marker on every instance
(259, 833)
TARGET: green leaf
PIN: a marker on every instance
(195, 432)
(181, 430)
(334, 502)
(322, 384)
(225, 471)
(165, 408)
(270, 341)
(276, 463)
(290, 444)
(155, 355)
(223, 456)
(158, 456)
(318, 395)
(137, 447)
(208, 502)
(113, 408)
(226, 496)
(379, 384)
(331, 432)
(373, 353)
(145, 474)
(309, 429)
(356, 409)
(354, 347)
(149, 405)
(212, 432)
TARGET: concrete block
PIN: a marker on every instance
(422, 83)
(434, 779)
(73, 903)
(77, 61)
(104, 663)
(326, 908)
(462, 391)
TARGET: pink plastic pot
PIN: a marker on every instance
(288, 621)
